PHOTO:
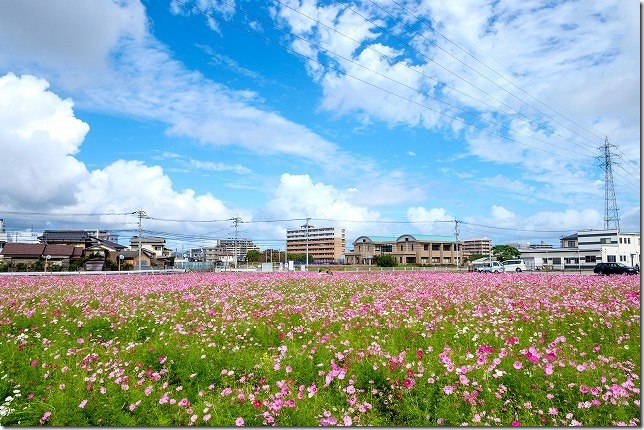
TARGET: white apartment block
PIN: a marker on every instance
(324, 244)
(586, 248)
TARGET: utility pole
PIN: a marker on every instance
(141, 214)
(456, 234)
(307, 243)
(235, 221)
(455, 221)
(611, 217)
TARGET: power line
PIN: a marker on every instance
(389, 91)
(422, 21)
(460, 61)
(518, 115)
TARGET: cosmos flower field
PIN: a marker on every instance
(310, 349)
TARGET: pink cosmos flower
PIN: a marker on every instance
(82, 404)
(583, 389)
(239, 422)
(45, 416)
(516, 424)
(517, 365)
(448, 389)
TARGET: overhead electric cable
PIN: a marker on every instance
(469, 67)
(391, 92)
(423, 21)
(520, 116)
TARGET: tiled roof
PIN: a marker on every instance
(111, 244)
(23, 249)
(71, 235)
(147, 239)
(134, 254)
(59, 250)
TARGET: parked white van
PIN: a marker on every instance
(514, 265)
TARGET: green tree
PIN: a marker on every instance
(253, 256)
(505, 252)
(385, 261)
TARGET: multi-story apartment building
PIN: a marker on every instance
(324, 244)
(406, 249)
(235, 247)
(223, 250)
(481, 245)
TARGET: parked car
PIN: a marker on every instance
(614, 269)
(491, 267)
(514, 265)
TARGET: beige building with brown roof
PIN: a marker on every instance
(406, 249)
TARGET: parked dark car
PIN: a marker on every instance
(614, 269)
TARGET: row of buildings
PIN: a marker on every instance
(581, 250)
(325, 245)
(94, 247)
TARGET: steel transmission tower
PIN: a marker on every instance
(611, 216)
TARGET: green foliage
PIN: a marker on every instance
(254, 256)
(76, 265)
(474, 257)
(385, 261)
(505, 252)
(111, 265)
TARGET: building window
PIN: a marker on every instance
(435, 247)
(620, 240)
(571, 244)
(611, 259)
(447, 247)
(629, 240)
(401, 250)
(412, 246)
(605, 240)
(425, 247)
(591, 259)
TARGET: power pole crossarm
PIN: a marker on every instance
(141, 214)
(235, 221)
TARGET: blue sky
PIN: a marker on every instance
(383, 117)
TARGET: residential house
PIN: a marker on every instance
(161, 256)
(29, 253)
